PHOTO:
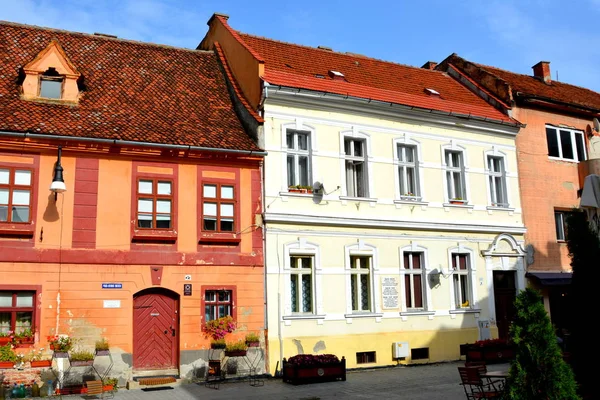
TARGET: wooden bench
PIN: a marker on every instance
(96, 388)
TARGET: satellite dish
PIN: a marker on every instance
(317, 187)
(596, 125)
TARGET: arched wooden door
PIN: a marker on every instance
(155, 329)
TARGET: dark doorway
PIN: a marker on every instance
(505, 292)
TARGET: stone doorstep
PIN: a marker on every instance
(158, 383)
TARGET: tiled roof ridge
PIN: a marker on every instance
(480, 87)
(487, 67)
(352, 55)
(102, 37)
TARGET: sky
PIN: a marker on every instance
(508, 34)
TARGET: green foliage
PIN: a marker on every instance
(82, 355)
(112, 381)
(7, 353)
(252, 337)
(102, 344)
(538, 371)
(236, 346)
(584, 250)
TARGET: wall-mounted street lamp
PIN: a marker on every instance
(58, 183)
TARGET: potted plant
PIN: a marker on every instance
(81, 358)
(490, 351)
(310, 368)
(102, 347)
(60, 344)
(110, 384)
(217, 344)
(8, 357)
(217, 328)
(236, 349)
(457, 200)
(252, 340)
(38, 358)
(24, 336)
(6, 337)
(300, 189)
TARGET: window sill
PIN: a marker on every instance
(410, 313)
(498, 208)
(303, 316)
(296, 194)
(365, 199)
(563, 159)
(458, 205)
(408, 201)
(364, 315)
(219, 238)
(154, 235)
(25, 231)
(465, 311)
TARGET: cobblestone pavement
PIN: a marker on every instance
(436, 381)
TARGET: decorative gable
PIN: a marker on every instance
(51, 76)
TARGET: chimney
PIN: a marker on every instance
(429, 65)
(541, 71)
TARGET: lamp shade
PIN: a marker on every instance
(58, 183)
(58, 186)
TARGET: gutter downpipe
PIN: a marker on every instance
(129, 143)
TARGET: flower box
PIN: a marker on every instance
(6, 364)
(82, 363)
(41, 363)
(236, 353)
(4, 340)
(253, 344)
(313, 370)
(103, 352)
(108, 388)
(79, 389)
(61, 354)
(490, 351)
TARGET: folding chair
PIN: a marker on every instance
(474, 386)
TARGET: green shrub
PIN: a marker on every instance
(236, 346)
(7, 353)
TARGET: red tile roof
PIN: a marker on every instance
(555, 90)
(298, 66)
(133, 91)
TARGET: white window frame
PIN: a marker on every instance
(452, 169)
(398, 165)
(572, 132)
(297, 273)
(303, 248)
(561, 215)
(362, 249)
(367, 159)
(298, 126)
(471, 276)
(491, 182)
(425, 271)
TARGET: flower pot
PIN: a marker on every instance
(82, 363)
(108, 388)
(41, 363)
(61, 354)
(236, 353)
(217, 347)
(102, 352)
(4, 340)
(253, 344)
(6, 364)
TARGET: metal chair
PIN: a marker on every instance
(474, 385)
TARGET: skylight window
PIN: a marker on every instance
(336, 73)
(432, 92)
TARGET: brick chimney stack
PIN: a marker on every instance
(541, 71)
(429, 65)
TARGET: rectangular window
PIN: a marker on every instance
(360, 282)
(298, 158)
(15, 194)
(17, 311)
(51, 88)
(408, 173)
(455, 176)
(497, 177)
(154, 203)
(564, 143)
(218, 207)
(356, 167)
(366, 357)
(460, 274)
(217, 304)
(413, 279)
(560, 221)
(301, 284)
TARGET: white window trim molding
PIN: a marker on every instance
(573, 144)
(414, 247)
(496, 153)
(356, 134)
(298, 125)
(363, 249)
(461, 249)
(301, 247)
(409, 141)
(455, 147)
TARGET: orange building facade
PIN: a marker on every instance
(159, 228)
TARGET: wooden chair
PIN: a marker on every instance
(97, 388)
(474, 385)
(497, 384)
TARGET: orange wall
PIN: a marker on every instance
(545, 185)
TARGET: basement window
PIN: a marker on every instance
(420, 354)
(366, 357)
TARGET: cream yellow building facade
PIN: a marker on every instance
(336, 260)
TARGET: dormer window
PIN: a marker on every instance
(51, 84)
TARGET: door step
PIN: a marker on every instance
(145, 373)
(153, 382)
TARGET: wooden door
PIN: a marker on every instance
(155, 329)
(505, 292)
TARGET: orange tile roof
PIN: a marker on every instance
(555, 90)
(298, 66)
(133, 91)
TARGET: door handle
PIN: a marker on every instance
(173, 332)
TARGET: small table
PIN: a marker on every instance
(496, 377)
